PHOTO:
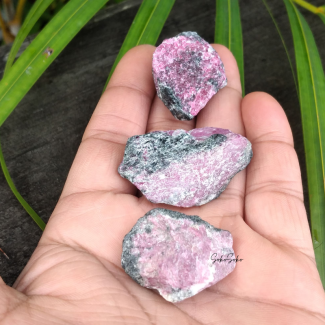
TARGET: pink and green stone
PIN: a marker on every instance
(187, 72)
(172, 253)
(184, 168)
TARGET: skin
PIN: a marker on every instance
(75, 276)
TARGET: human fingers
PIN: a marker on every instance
(274, 199)
(161, 119)
(223, 111)
(121, 113)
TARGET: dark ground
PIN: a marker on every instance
(42, 135)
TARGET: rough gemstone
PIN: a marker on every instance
(187, 72)
(174, 253)
(183, 168)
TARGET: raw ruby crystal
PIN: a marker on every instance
(187, 72)
(184, 168)
(176, 254)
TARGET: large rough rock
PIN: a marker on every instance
(176, 254)
(183, 168)
(187, 72)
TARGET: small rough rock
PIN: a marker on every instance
(173, 253)
(183, 168)
(187, 72)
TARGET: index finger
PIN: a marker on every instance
(121, 113)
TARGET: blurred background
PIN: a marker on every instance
(13, 13)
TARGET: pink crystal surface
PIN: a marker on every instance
(171, 252)
(183, 168)
(187, 72)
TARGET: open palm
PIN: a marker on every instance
(75, 274)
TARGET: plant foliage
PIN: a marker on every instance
(322, 14)
(43, 50)
(33, 16)
(311, 84)
(35, 60)
(145, 28)
(228, 32)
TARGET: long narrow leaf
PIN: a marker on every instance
(320, 11)
(311, 81)
(283, 42)
(34, 14)
(228, 32)
(146, 26)
(25, 205)
(43, 50)
(322, 14)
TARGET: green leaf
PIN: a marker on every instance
(25, 205)
(228, 32)
(43, 50)
(31, 19)
(322, 14)
(283, 42)
(34, 14)
(34, 61)
(145, 28)
(311, 82)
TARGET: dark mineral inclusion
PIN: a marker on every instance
(187, 72)
(183, 168)
(172, 252)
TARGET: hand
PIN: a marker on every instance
(75, 274)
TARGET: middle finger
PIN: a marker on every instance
(224, 111)
(161, 119)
